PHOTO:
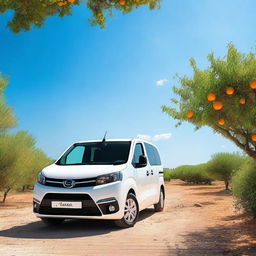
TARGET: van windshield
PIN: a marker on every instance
(96, 153)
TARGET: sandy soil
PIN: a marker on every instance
(198, 220)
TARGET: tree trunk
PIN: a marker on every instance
(5, 194)
(226, 184)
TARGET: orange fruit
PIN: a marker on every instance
(190, 114)
(211, 96)
(230, 90)
(217, 105)
(221, 121)
(122, 2)
(242, 101)
(60, 4)
(71, 1)
(253, 137)
(253, 84)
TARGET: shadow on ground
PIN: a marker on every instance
(69, 229)
(235, 239)
(209, 187)
(215, 193)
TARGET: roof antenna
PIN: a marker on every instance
(104, 138)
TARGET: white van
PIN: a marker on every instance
(113, 179)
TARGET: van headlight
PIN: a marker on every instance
(41, 178)
(108, 178)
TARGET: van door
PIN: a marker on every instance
(141, 176)
(155, 168)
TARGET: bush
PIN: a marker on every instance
(167, 174)
(194, 174)
(244, 186)
(223, 165)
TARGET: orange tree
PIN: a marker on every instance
(223, 97)
(34, 12)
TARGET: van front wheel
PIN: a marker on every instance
(160, 205)
(131, 212)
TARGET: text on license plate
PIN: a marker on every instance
(66, 204)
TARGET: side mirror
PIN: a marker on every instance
(142, 162)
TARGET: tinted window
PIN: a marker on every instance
(76, 155)
(99, 153)
(138, 151)
(153, 155)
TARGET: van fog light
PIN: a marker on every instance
(111, 208)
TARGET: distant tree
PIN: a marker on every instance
(223, 165)
(38, 160)
(35, 12)
(7, 118)
(20, 161)
(223, 97)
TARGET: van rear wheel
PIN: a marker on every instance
(52, 221)
(131, 212)
(159, 207)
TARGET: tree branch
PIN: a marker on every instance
(245, 147)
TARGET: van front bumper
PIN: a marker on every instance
(98, 202)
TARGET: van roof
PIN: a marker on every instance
(134, 139)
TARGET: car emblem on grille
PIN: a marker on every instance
(69, 183)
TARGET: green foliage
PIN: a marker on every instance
(194, 174)
(35, 12)
(7, 119)
(223, 165)
(167, 174)
(236, 70)
(20, 161)
(244, 186)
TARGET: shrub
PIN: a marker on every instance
(244, 186)
(223, 165)
(167, 174)
(194, 174)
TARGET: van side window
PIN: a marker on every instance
(153, 155)
(138, 151)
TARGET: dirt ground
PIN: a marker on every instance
(198, 220)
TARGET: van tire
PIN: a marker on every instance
(131, 206)
(159, 207)
(52, 221)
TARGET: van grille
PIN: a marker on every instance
(89, 208)
(78, 182)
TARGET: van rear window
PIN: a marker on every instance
(153, 155)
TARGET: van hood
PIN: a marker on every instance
(55, 171)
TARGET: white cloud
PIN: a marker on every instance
(162, 136)
(144, 136)
(156, 137)
(161, 82)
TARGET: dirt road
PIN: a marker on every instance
(198, 220)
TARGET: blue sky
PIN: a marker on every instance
(71, 81)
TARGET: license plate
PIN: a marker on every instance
(66, 204)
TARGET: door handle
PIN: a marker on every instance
(147, 173)
(152, 172)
